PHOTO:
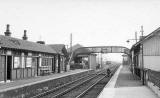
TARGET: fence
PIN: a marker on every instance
(154, 77)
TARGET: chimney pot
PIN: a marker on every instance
(25, 35)
(7, 33)
(41, 42)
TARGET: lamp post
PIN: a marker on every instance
(133, 39)
(132, 66)
(141, 49)
(142, 56)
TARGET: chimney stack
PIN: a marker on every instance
(25, 35)
(41, 42)
(7, 33)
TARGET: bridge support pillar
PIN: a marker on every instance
(92, 61)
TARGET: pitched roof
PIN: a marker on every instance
(147, 37)
(14, 43)
(75, 47)
(81, 49)
(58, 47)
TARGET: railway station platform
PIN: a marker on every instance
(21, 88)
(124, 84)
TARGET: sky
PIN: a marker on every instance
(91, 22)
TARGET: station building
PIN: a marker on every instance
(84, 60)
(61, 57)
(21, 59)
(146, 54)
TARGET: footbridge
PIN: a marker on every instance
(99, 49)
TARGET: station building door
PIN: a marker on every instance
(9, 67)
(35, 62)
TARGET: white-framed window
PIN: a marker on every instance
(46, 61)
(17, 62)
(28, 62)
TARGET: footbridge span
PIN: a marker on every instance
(101, 49)
(86, 51)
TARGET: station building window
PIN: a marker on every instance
(28, 62)
(17, 62)
(46, 61)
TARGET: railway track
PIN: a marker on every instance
(79, 88)
(95, 89)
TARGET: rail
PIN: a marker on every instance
(60, 87)
(66, 88)
(98, 88)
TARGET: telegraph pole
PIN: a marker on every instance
(136, 36)
(68, 66)
(101, 59)
(142, 31)
(71, 43)
(142, 56)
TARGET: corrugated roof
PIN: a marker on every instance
(146, 37)
(14, 43)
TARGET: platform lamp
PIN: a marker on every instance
(135, 42)
(142, 55)
(133, 39)
(141, 48)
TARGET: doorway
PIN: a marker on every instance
(9, 67)
(37, 67)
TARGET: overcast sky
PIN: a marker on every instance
(92, 22)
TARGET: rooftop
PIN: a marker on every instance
(59, 48)
(15, 43)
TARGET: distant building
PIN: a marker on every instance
(85, 58)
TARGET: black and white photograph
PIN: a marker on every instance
(79, 48)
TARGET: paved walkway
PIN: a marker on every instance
(30, 81)
(126, 85)
(127, 79)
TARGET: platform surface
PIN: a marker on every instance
(126, 85)
(34, 80)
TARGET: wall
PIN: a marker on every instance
(152, 62)
(151, 52)
(152, 46)
(23, 64)
(37, 87)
